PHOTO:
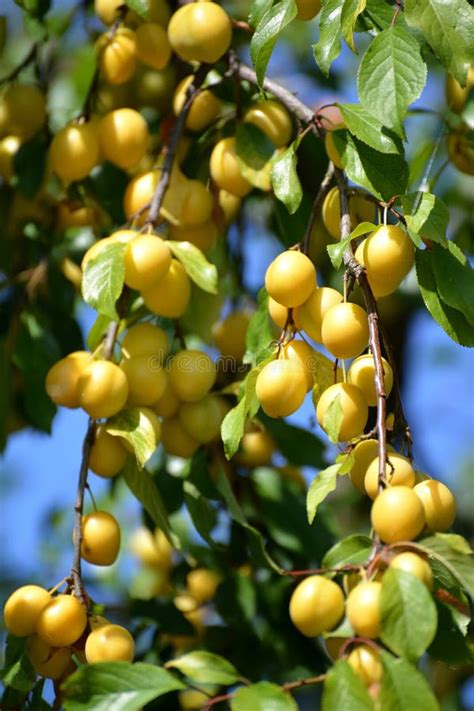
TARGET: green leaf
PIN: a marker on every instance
(270, 26)
(263, 696)
(206, 668)
(454, 278)
(450, 644)
(378, 14)
(259, 332)
(354, 549)
(350, 12)
(137, 429)
(448, 27)
(333, 419)
(404, 687)
(116, 685)
(343, 690)
(29, 165)
(324, 376)
(202, 272)
(367, 128)
(336, 251)
(384, 175)
(454, 553)
(426, 215)
(297, 445)
(328, 48)
(141, 7)
(451, 320)
(202, 514)
(17, 672)
(408, 614)
(285, 181)
(321, 486)
(143, 487)
(97, 332)
(391, 76)
(254, 148)
(258, 9)
(102, 282)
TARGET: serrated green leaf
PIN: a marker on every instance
(404, 687)
(408, 614)
(391, 76)
(202, 272)
(135, 426)
(454, 278)
(451, 320)
(141, 7)
(332, 420)
(343, 690)
(206, 668)
(448, 27)
(350, 12)
(102, 281)
(367, 128)
(426, 215)
(383, 174)
(97, 331)
(454, 553)
(354, 549)
(262, 696)
(271, 25)
(116, 685)
(379, 14)
(285, 181)
(328, 48)
(259, 332)
(321, 486)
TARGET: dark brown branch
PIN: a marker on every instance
(317, 205)
(292, 685)
(349, 568)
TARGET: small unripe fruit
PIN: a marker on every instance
(153, 549)
(397, 515)
(47, 661)
(107, 456)
(62, 621)
(345, 330)
(202, 420)
(62, 378)
(23, 109)
(331, 150)
(123, 137)
(354, 409)
(117, 55)
(312, 312)
(102, 389)
(74, 151)
(229, 334)
(273, 119)
(362, 374)
(225, 170)
(438, 503)
(204, 108)
(202, 584)
(191, 375)
(363, 609)
(400, 473)
(200, 32)
(256, 449)
(152, 45)
(281, 387)
(307, 9)
(291, 278)
(145, 339)
(109, 643)
(415, 565)
(364, 453)
(168, 404)
(147, 259)
(170, 297)
(316, 605)
(100, 538)
(176, 440)
(388, 254)
(301, 352)
(365, 661)
(23, 608)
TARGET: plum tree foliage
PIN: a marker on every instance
(141, 192)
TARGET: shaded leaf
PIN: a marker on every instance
(332, 420)
(343, 690)
(297, 445)
(354, 549)
(141, 7)
(454, 278)
(259, 332)
(321, 486)
(202, 514)
(17, 672)
(350, 12)
(285, 181)
(454, 553)
(206, 668)
(202, 272)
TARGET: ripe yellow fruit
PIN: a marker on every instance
(147, 259)
(256, 449)
(204, 108)
(291, 278)
(331, 150)
(438, 503)
(397, 514)
(192, 699)
(100, 538)
(202, 584)
(225, 170)
(229, 204)
(203, 236)
(153, 549)
(273, 119)
(107, 456)
(23, 608)
(23, 110)
(72, 213)
(152, 45)
(191, 375)
(62, 621)
(360, 209)
(229, 334)
(388, 253)
(307, 9)
(196, 205)
(176, 440)
(145, 339)
(74, 151)
(345, 330)
(303, 354)
(146, 380)
(461, 149)
(279, 314)
(200, 32)
(363, 609)
(456, 95)
(380, 287)
(9, 146)
(62, 378)
(402, 474)
(48, 662)
(117, 55)
(168, 404)
(362, 374)
(109, 643)
(170, 297)
(119, 237)
(354, 409)
(364, 453)
(312, 312)
(102, 389)
(415, 565)
(316, 605)
(107, 10)
(123, 137)
(281, 387)
(202, 420)
(365, 661)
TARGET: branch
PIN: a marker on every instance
(30, 57)
(350, 567)
(317, 205)
(292, 685)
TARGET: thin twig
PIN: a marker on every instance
(292, 685)
(30, 57)
(317, 205)
(349, 568)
